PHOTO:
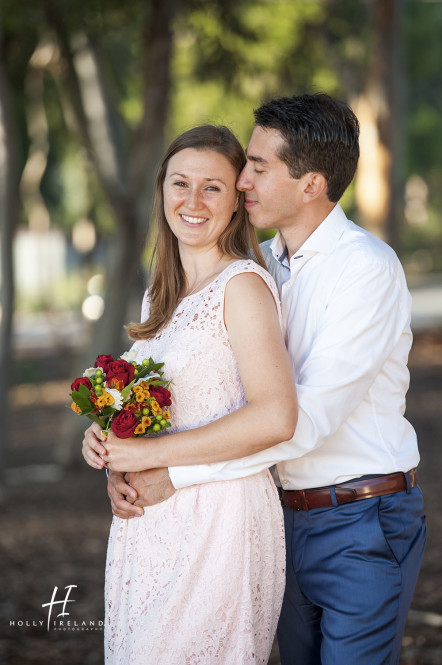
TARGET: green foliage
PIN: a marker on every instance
(228, 56)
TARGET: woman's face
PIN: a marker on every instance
(200, 196)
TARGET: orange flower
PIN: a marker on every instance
(166, 414)
(75, 408)
(115, 383)
(140, 429)
(146, 421)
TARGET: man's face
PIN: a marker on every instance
(272, 197)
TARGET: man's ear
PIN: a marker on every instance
(314, 186)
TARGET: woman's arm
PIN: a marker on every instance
(270, 414)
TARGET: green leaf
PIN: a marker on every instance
(81, 398)
(96, 419)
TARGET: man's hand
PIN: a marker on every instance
(130, 493)
(152, 486)
(122, 497)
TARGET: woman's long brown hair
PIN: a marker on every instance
(168, 281)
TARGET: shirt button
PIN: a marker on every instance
(285, 482)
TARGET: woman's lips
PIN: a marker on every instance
(193, 220)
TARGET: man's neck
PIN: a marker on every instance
(295, 235)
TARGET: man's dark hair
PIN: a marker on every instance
(321, 135)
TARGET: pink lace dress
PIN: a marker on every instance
(199, 578)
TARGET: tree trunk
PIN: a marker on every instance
(8, 210)
(130, 197)
(379, 109)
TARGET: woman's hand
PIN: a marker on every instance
(126, 454)
(93, 448)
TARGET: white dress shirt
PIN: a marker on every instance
(346, 315)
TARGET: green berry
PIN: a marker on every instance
(99, 372)
(156, 427)
(145, 362)
(145, 412)
(163, 423)
(99, 380)
(158, 418)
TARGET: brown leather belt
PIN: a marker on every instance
(353, 490)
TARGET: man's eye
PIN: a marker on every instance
(257, 171)
(213, 188)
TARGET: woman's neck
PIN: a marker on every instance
(201, 267)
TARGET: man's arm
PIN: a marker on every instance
(364, 320)
(365, 317)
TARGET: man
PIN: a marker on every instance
(354, 520)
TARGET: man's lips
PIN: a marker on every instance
(249, 203)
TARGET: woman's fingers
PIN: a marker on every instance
(93, 449)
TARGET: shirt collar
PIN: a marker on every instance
(323, 239)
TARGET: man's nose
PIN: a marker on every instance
(244, 183)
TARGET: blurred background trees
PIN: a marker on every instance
(90, 92)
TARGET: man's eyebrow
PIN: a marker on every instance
(259, 160)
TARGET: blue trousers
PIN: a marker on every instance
(351, 573)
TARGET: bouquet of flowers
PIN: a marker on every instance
(123, 396)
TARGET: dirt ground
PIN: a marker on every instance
(54, 527)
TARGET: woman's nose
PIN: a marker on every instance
(193, 199)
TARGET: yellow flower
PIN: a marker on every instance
(75, 408)
(137, 389)
(101, 401)
(146, 421)
(140, 429)
(108, 399)
(139, 397)
(156, 408)
(166, 414)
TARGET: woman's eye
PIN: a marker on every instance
(179, 183)
(213, 188)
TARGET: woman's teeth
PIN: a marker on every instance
(194, 220)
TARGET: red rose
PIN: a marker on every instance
(82, 381)
(162, 395)
(104, 361)
(120, 370)
(124, 424)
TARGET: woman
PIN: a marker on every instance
(199, 578)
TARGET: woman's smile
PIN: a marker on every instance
(193, 221)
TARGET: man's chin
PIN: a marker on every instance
(260, 224)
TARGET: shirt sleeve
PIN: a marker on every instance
(184, 476)
(365, 315)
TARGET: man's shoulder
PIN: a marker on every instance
(361, 246)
